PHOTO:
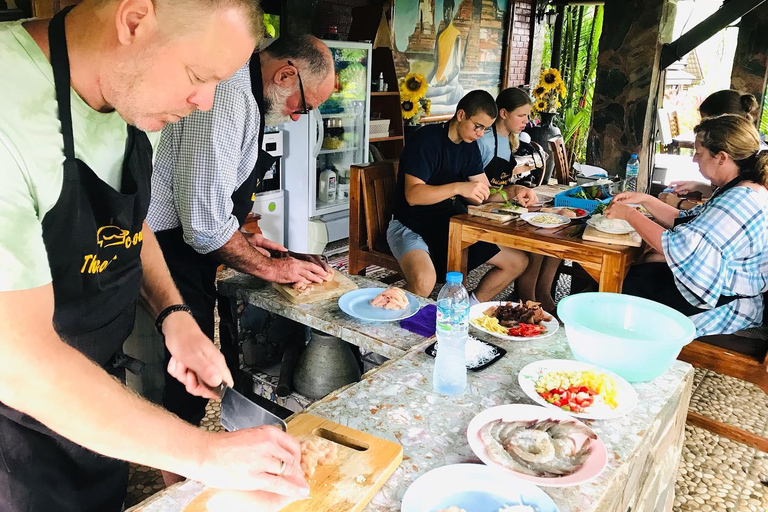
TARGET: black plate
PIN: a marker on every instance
(431, 352)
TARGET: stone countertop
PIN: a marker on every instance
(397, 402)
(385, 338)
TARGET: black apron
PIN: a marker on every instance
(500, 172)
(655, 281)
(432, 223)
(93, 240)
(195, 273)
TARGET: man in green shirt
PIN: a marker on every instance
(76, 255)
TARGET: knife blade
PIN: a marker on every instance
(238, 412)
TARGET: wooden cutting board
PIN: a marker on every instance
(340, 285)
(336, 487)
(595, 235)
(490, 211)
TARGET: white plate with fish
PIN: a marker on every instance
(610, 226)
(546, 447)
(357, 303)
(545, 220)
(611, 395)
(479, 320)
(473, 488)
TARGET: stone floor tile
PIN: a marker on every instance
(731, 401)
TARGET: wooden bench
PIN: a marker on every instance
(371, 199)
(743, 356)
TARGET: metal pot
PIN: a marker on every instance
(325, 365)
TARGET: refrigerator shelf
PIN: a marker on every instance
(336, 206)
(340, 150)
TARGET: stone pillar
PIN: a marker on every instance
(627, 83)
(751, 58)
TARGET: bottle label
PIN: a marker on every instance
(444, 320)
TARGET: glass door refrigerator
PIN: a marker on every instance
(319, 149)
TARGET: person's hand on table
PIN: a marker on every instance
(630, 197)
(317, 259)
(293, 270)
(262, 244)
(195, 360)
(618, 210)
(683, 188)
(262, 459)
(476, 192)
(526, 196)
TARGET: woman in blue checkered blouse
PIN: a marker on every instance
(716, 254)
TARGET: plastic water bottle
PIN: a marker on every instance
(633, 167)
(450, 377)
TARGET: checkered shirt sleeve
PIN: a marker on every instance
(723, 252)
(693, 212)
(201, 161)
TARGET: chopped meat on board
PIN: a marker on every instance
(511, 314)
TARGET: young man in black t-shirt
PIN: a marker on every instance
(440, 172)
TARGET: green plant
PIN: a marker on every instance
(764, 117)
(582, 27)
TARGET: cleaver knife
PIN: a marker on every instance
(238, 412)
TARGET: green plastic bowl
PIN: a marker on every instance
(633, 337)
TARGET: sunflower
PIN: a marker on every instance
(539, 91)
(550, 79)
(540, 106)
(413, 86)
(409, 109)
(427, 107)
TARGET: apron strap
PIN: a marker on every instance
(57, 42)
(495, 140)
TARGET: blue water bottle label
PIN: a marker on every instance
(444, 319)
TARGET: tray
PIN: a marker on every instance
(566, 198)
(431, 352)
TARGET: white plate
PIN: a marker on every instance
(626, 396)
(592, 467)
(357, 303)
(619, 231)
(476, 311)
(580, 212)
(473, 487)
(528, 217)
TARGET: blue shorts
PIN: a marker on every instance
(402, 240)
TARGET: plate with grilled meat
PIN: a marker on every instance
(514, 321)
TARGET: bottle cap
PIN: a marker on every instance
(454, 277)
(634, 155)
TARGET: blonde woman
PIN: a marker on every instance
(498, 148)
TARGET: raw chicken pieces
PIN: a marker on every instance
(315, 451)
(391, 298)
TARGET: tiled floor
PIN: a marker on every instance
(716, 474)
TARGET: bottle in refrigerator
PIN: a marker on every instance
(450, 374)
(342, 189)
(326, 188)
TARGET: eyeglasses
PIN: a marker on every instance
(304, 109)
(479, 128)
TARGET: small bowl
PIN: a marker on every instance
(634, 337)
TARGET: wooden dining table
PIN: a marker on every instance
(608, 264)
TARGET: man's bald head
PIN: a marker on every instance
(282, 62)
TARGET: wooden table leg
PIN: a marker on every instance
(457, 254)
(612, 274)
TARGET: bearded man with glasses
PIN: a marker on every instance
(208, 168)
(440, 173)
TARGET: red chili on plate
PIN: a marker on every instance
(526, 330)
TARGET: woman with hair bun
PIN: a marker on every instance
(726, 101)
(716, 254)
